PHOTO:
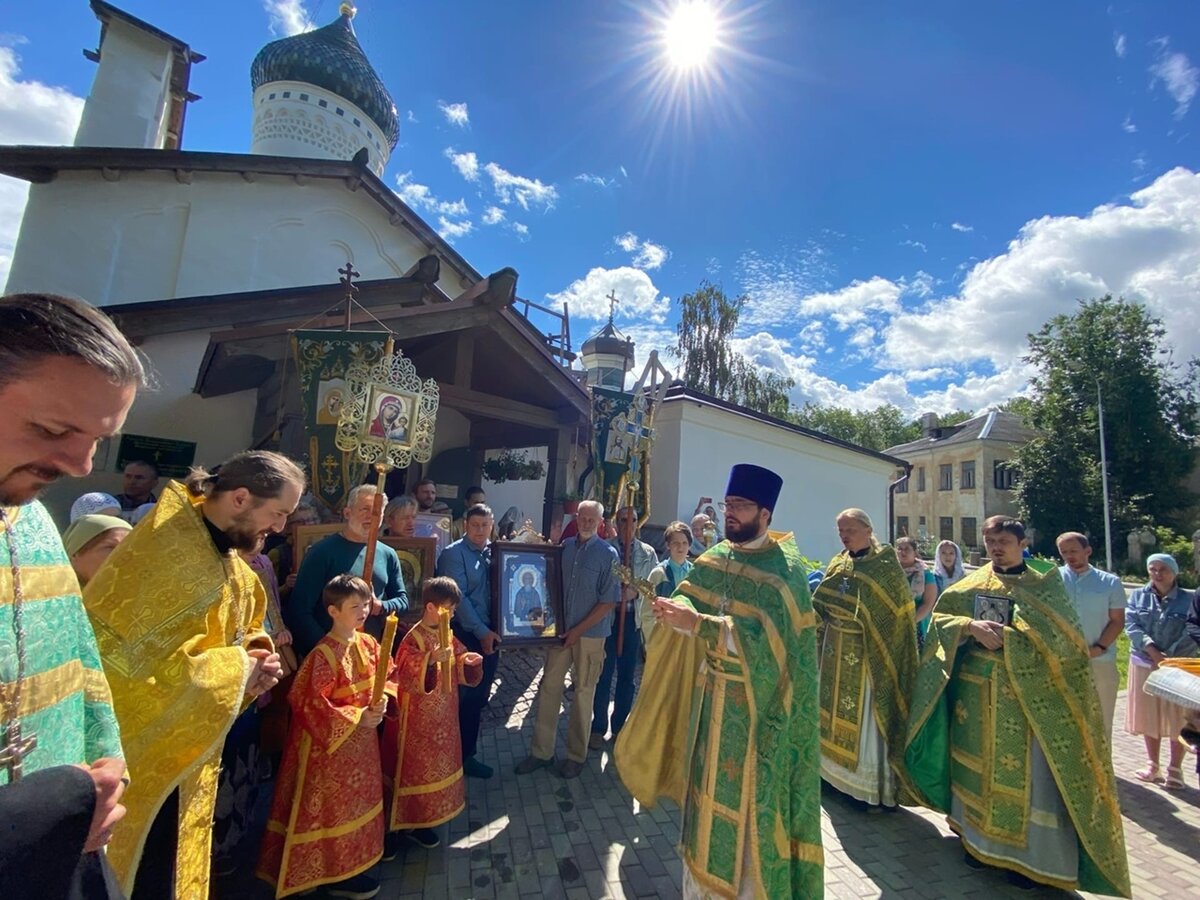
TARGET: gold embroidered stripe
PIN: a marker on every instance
(38, 583)
(47, 689)
(800, 620)
(446, 782)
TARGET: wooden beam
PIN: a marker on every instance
(464, 359)
(493, 407)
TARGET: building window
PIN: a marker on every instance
(920, 478)
(270, 96)
(287, 95)
(341, 112)
(901, 526)
(902, 487)
(323, 104)
(946, 528)
(946, 478)
(1004, 475)
(304, 97)
(358, 123)
(968, 532)
(967, 481)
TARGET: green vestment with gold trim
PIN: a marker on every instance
(868, 649)
(978, 712)
(725, 724)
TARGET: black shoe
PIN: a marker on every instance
(424, 837)
(391, 846)
(971, 862)
(360, 887)
(1021, 882)
(532, 763)
(473, 768)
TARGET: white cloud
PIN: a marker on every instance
(451, 230)
(959, 226)
(522, 231)
(467, 164)
(455, 113)
(493, 215)
(920, 245)
(1119, 45)
(851, 304)
(1128, 126)
(412, 118)
(1178, 75)
(1147, 250)
(638, 298)
(775, 284)
(421, 198)
(646, 254)
(526, 192)
(597, 180)
(287, 17)
(30, 113)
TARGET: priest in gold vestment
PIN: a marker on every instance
(178, 619)
(868, 657)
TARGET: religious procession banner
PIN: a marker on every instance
(322, 359)
(618, 435)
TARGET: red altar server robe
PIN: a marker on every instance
(422, 747)
(326, 820)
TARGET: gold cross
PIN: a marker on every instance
(15, 749)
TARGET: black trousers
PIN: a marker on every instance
(472, 700)
(155, 879)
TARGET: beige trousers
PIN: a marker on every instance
(584, 660)
(1104, 674)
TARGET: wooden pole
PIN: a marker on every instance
(381, 470)
(627, 559)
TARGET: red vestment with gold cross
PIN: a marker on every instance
(422, 746)
(326, 820)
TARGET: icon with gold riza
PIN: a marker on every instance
(387, 421)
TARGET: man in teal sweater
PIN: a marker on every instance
(340, 554)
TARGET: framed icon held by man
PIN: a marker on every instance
(527, 600)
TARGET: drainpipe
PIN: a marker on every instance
(891, 502)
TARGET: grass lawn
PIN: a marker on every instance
(1122, 660)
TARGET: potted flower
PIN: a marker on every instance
(570, 502)
(513, 466)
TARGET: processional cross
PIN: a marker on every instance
(14, 750)
(348, 275)
(612, 304)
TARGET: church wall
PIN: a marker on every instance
(820, 480)
(220, 426)
(147, 236)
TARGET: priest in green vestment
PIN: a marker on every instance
(868, 660)
(1007, 737)
(726, 720)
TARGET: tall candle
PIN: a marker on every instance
(446, 639)
(390, 624)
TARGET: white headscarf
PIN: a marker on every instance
(948, 578)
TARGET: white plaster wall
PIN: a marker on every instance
(220, 426)
(128, 99)
(146, 236)
(289, 120)
(819, 480)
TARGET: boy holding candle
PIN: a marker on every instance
(422, 750)
(326, 825)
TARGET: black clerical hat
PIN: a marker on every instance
(754, 483)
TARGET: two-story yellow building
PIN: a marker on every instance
(960, 476)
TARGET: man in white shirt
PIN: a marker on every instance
(1099, 600)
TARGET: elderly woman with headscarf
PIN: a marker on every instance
(868, 657)
(1156, 622)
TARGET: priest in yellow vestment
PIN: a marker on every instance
(178, 619)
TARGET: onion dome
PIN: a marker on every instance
(608, 341)
(330, 58)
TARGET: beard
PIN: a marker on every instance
(740, 532)
(24, 483)
(242, 533)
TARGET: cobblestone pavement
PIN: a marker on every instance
(541, 836)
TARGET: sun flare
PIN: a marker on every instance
(691, 33)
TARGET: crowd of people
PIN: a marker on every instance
(165, 661)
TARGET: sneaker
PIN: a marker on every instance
(391, 846)
(596, 741)
(360, 887)
(424, 837)
(532, 764)
(570, 768)
(473, 768)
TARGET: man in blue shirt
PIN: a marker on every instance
(341, 554)
(1099, 600)
(469, 562)
(590, 591)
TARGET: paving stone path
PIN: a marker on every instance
(541, 836)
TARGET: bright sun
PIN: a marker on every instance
(691, 34)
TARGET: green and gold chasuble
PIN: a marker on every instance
(868, 642)
(725, 724)
(976, 713)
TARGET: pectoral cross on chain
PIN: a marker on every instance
(844, 586)
(15, 749)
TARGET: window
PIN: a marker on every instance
(946, 528)
(921, 523)
(946, 478)
(967, 481)
(968, 532)
(902, 487)
(920, 478)
(304, 97)
(901, 526)
(1004, 475)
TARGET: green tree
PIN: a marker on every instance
(707, 322)
(1150, 421)
(877, 429)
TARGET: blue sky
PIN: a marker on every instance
(902, 192)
